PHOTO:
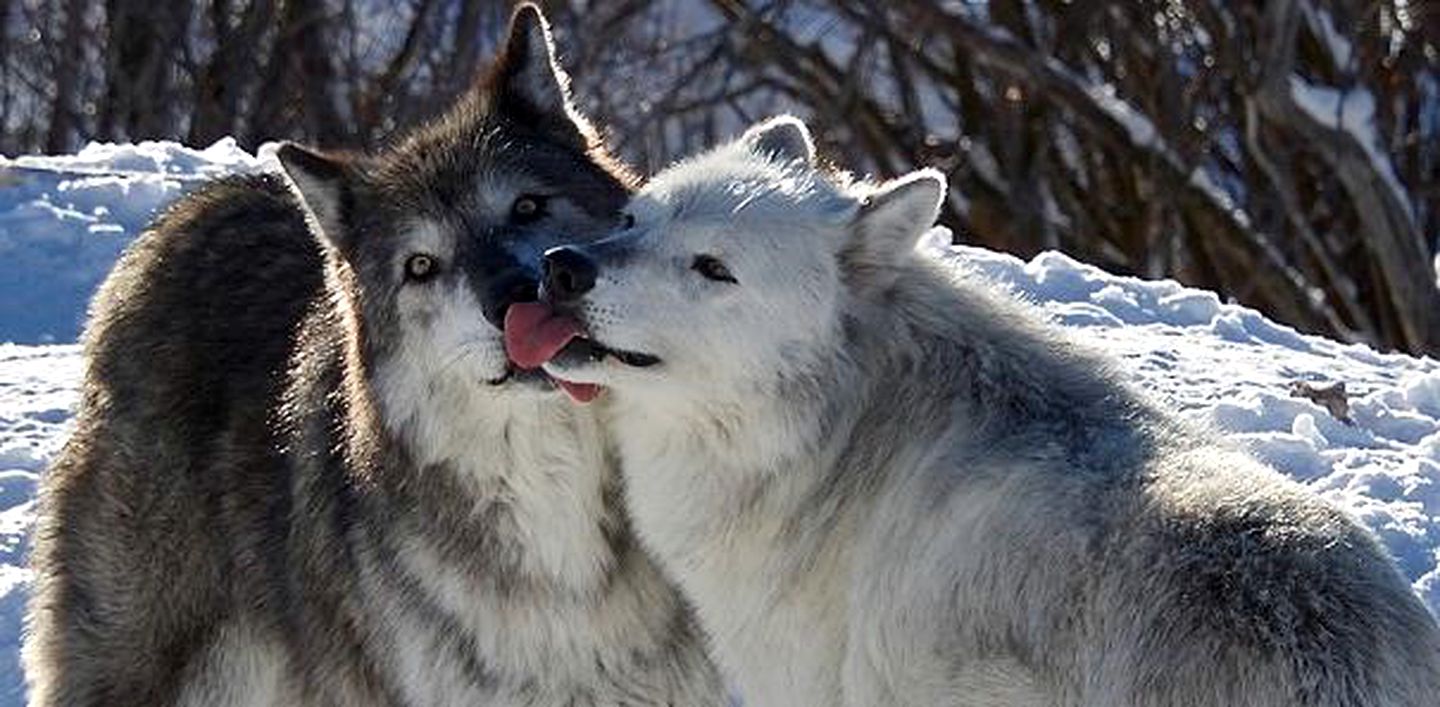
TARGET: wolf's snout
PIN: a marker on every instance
(506, 291)
(568, 274)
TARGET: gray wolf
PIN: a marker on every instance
(303, 471)
(884, 483)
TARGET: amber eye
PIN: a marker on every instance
(420, 267)
(712, 269)
(527, 208)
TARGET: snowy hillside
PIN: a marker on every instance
(63, 220)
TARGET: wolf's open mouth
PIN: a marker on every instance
(536, 334)
(514, 374)
(583, 350)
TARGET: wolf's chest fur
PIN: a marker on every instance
(762, 585)
(540, 461)
(559, 603)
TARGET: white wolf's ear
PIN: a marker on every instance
(782, 137)
(529, 71)
(319, 183)
(889, 224)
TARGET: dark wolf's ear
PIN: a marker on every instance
(783, 137)
(530, 74)
(889, 224)
(320, 183)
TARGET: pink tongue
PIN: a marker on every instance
(579, 392)
(534, 333)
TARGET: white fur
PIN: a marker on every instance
(881, 483)
(243, 667)
(550, 457)
(547, 461)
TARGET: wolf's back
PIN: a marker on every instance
(208, 299)
(172, 464)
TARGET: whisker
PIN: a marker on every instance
(465, 348)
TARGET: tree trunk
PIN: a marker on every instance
(1392, 237)
(299, 81)
(7, 96)
(231, 70)
(64, 118)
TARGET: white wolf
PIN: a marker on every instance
(883, 483)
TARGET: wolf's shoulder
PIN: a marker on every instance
(234, 243)
(213, 288)
(991, 347)
(236, 210)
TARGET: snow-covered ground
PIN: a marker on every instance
(63, 220)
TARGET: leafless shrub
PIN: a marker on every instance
(1284, 153)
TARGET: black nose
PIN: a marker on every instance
(507, 290)
(568, 274)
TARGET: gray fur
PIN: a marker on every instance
(884, 483)
(276, 493)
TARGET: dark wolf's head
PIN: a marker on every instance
(430, 241)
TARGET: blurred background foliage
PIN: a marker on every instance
(1285, 153)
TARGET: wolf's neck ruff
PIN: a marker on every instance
(740, 514)
(535, 465)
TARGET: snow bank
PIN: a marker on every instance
(65, 218)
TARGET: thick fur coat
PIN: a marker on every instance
(303, 471)
(882, 482)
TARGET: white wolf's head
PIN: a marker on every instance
(733, 272)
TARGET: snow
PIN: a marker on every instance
(1201, 180)
(1353, 111)
(37, 393)
(1142, 131)
(65, 219)
(1337, 45)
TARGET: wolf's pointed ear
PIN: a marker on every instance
(889, 224)
(782, 137)
(320, 183)
(530, 72)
